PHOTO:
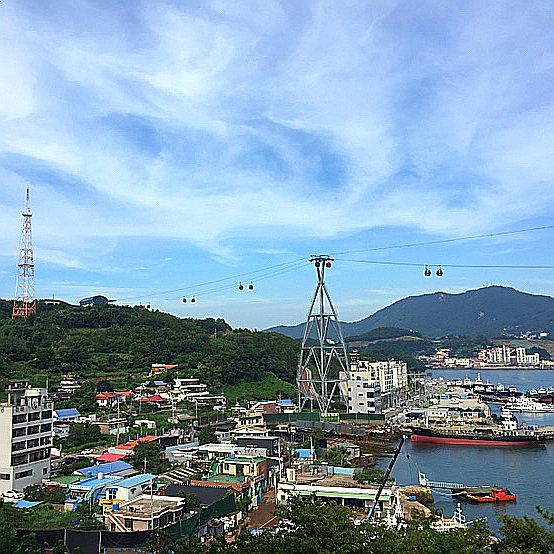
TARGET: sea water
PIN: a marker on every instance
(528, 472)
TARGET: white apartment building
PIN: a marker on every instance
(25, 437)
(374, 386)
(522, 358)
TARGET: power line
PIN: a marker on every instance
(286, 267)
(445, 241)
(258, 275)
(467, 266)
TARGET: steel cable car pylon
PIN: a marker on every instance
(313, 377)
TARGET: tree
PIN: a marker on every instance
(8, 538)
(149, 457)
(207, 435)
(41, 493)
(525, 535)
(370, 475)
(337, 456)
(191, 500)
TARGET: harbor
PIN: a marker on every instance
(520, 469)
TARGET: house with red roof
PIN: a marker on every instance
(105, 399)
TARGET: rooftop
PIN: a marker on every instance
(94, 482)
(106, 469)
(136, 480)
(147, 504)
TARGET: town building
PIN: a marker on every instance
(25, 437)
(360, 498)
(373, 387)
(145, 513)
(97, 300)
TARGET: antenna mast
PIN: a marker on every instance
(316, 355)
(24, 303)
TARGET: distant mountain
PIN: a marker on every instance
(490, 311)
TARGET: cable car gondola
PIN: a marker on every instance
(427, 272)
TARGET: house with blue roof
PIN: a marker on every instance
(66, 415)
(88, 490)
(131, 488)
(110, 468)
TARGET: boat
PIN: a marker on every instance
(457, 521)
(528, 405)
(480, 493)
(496, 495)
(506, 434)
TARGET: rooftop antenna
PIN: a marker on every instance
(314, 378)
(24, 302)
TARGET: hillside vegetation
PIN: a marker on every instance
(115, 342)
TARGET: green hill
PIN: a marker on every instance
(120, 343)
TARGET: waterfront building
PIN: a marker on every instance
(373, 387)
(360, 498)
(25, 437)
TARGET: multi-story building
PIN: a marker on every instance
(364, 396)
(25, 437)
(373, 386)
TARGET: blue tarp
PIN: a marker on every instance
(304, 452)
(26, 504)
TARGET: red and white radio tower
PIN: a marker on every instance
(25, 303)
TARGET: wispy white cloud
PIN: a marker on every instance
(211, 122)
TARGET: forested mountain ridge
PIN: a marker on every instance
(490, 311)
(122, 342)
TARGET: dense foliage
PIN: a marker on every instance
(310, 527)
(148, 457)
(119, 343)
(371, 476)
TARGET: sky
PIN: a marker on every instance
(178, 148)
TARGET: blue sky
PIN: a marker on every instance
(169, 144)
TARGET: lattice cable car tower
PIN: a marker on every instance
(25, 303)
(314, 378)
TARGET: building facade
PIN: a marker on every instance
(25, 437)
(374, 386)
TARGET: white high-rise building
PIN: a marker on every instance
(374, 385)
(25, 437)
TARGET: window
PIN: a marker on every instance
(20, 432)
(44, 470)
(33, 443)
(47, 414)
(45, 427)
(20, 418)
(5, 476)
(128, 523)
(18, 446)
(33, 430)
(22, 474)
(18, 460)
(112, 494)
(35, 416)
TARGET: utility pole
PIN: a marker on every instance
(25, 303)
(314, 378)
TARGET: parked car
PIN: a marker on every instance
(87, 451)
(12, 495)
